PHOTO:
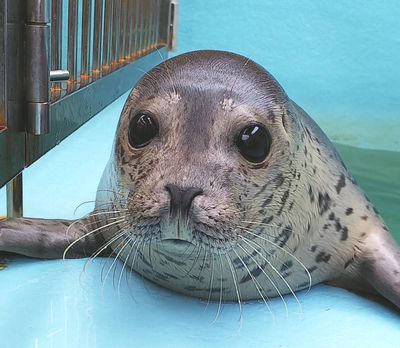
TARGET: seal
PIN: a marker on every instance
(222, 188)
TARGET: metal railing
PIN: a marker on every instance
(61, 62)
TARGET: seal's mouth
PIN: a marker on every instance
(176, 246)
(176, 242)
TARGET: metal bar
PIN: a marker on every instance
(141, 27)
(106, 59)
(38, 11)
(72, 45)
(59, 75)
(115, 34)
(173, 25)
(122, 32)
(130, 27)
(56, 44)
(37, 66)
(151, 25)
(15, 197)
(12, 89)
(85, 42)
(3, 69)
(157, 37)
(146, 26)
(154, 24)
(136, 38)
(97, 35)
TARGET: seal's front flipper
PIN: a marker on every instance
(376, 265)
(48, 239)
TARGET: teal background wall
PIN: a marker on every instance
(340, 60)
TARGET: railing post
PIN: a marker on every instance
(173, 24)
(37, 66)
(14, 197)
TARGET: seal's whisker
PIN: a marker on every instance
(88, 234)
(235, 283)
(261, 223)
(105, 203)
(116, 257)
(204, 261)
(220, 289)
(150, 255)
(124, 265)
(141, 241)
(287, 252)
(191, 253)
(108, 219)
(142, 256)
(104, 246)
(237, 77)
(211, 282)
(268, 277)
(111, 191)
(195, 259)
(168, 72)
(257, 285)
(247, 229)
(247, 241)
(119, 235)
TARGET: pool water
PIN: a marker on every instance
(378, 173)
(53, 303)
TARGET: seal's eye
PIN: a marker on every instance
(254, 142)
(142, 129)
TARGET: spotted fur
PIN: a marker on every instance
(257, 230)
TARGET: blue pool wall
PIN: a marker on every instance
(338, 59)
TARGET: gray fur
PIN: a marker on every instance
(258, 230)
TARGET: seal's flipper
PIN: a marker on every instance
(375, 266)
(48, 239)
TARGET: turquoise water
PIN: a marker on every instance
(378, 173)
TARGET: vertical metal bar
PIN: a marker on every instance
(129, 30)
(141, 27)
(106, 59)
(115, 34)
(97, 34)
(146, 27)
(122, 32)
(151, 25)
(72, 45)
(15, 197)
(157, 37)
(173, 24)
(56, 44)
(155, 22)
(3, 62)
(136, 34)
(85, 42)
(37, 66)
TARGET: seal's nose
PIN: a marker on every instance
(181, 199)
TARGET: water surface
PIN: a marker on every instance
(378, 173)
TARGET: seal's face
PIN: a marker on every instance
(200, 162)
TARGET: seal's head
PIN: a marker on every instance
(203, 148)
(223, 181)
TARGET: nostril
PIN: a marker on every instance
(181, 198)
